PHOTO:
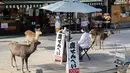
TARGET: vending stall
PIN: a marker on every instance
(120, 13)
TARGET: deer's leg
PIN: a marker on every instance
(100, 43)
(27, 42)
(15, 62)
(101, 46)
(26, 61)
(11, 60)
(91, 42)
(96, 41)
(22, 64)
(115, 28)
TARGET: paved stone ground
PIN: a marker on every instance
(101, 60)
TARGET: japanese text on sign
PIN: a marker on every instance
(72, 58)
(59, 46)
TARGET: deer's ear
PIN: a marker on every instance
(39, 28)
(26, 32)
(36, 29)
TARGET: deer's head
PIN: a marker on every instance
(38, 31)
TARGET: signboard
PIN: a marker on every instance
(37, 12)
(59, 47)
(27, 10)
(30, 12)
(72, 57)
(4, 25)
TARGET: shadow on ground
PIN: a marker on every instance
(52, 66)
(47, 47)
(98, 63)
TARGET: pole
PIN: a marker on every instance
(70, 16)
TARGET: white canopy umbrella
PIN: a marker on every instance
(70, 6)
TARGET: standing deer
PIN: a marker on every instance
(30, 36)
(101, 35)
(23, 51)
(93, 33)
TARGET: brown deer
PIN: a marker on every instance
(93, 33)
(30, 36)
(23, 51)
(101, 35)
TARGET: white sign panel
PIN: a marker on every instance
(59, 47)
(4, 25)
(27, 10)
(37, 12)
(30, 12)
(72, 57)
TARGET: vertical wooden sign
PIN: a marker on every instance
(59, 47)
(72, 57)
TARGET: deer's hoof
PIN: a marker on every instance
(13, 66)
(18, 69)
(28, 71)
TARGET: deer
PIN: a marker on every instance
(101, 35)
(22, 50)
(93, 33)
(30, 35)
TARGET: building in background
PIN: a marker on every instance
(121, 10)
(96, 3)
(20, 15)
